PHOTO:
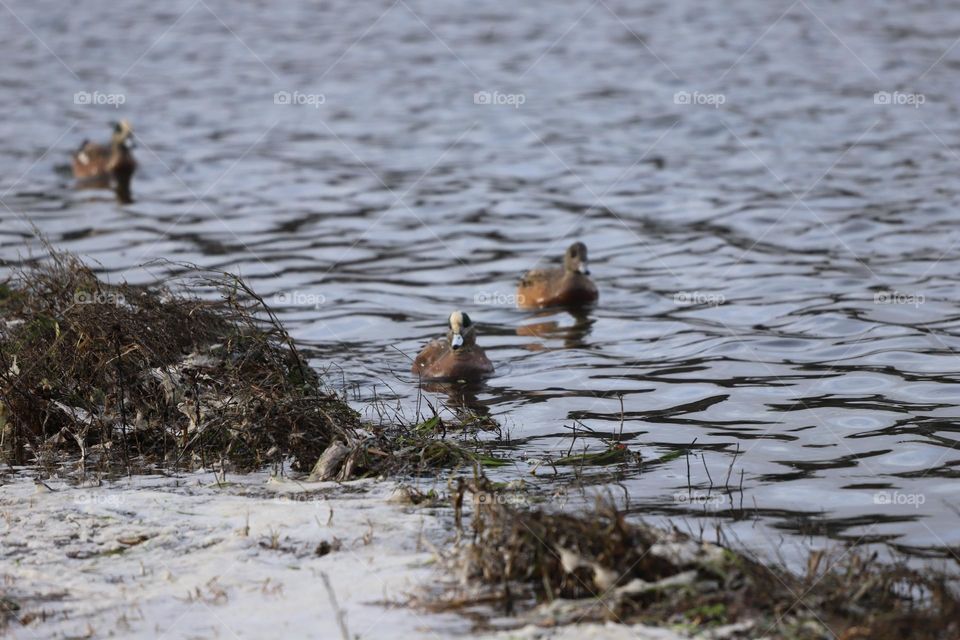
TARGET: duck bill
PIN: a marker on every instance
(456, 341)
(582, 268)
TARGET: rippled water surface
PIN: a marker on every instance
(776, 252)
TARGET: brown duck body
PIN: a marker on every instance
(101, 166)
(98, 162)
(90, 164)
(438, 361)
(555, 288)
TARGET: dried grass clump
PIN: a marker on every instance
(559, 568)
(141, 376)
(400, 448)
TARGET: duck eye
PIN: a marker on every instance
(466, 321)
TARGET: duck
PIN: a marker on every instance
(102, 166)
(456, 356)
(569, 286)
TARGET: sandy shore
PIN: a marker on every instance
(157, 557)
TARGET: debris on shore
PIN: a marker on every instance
(141, 376)
(554, 569)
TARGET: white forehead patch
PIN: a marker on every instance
(456, 321)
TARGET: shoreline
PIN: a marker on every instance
(154, 556)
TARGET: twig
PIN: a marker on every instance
(341, 615)
(686, 456)
(726, 482)
(123, 407)
(620, 433)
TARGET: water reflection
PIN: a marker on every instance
(463, 398)
(573, 334)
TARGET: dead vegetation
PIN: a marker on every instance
(401, 448)
(557, 568)
(140, 376)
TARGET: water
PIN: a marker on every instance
(776, 252)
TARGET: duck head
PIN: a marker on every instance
(575, 259)
(122, 134)
(461, 330)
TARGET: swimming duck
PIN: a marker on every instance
(569, 286)
(455, 356)
(102, 166)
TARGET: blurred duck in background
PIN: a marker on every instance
(98, 166)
